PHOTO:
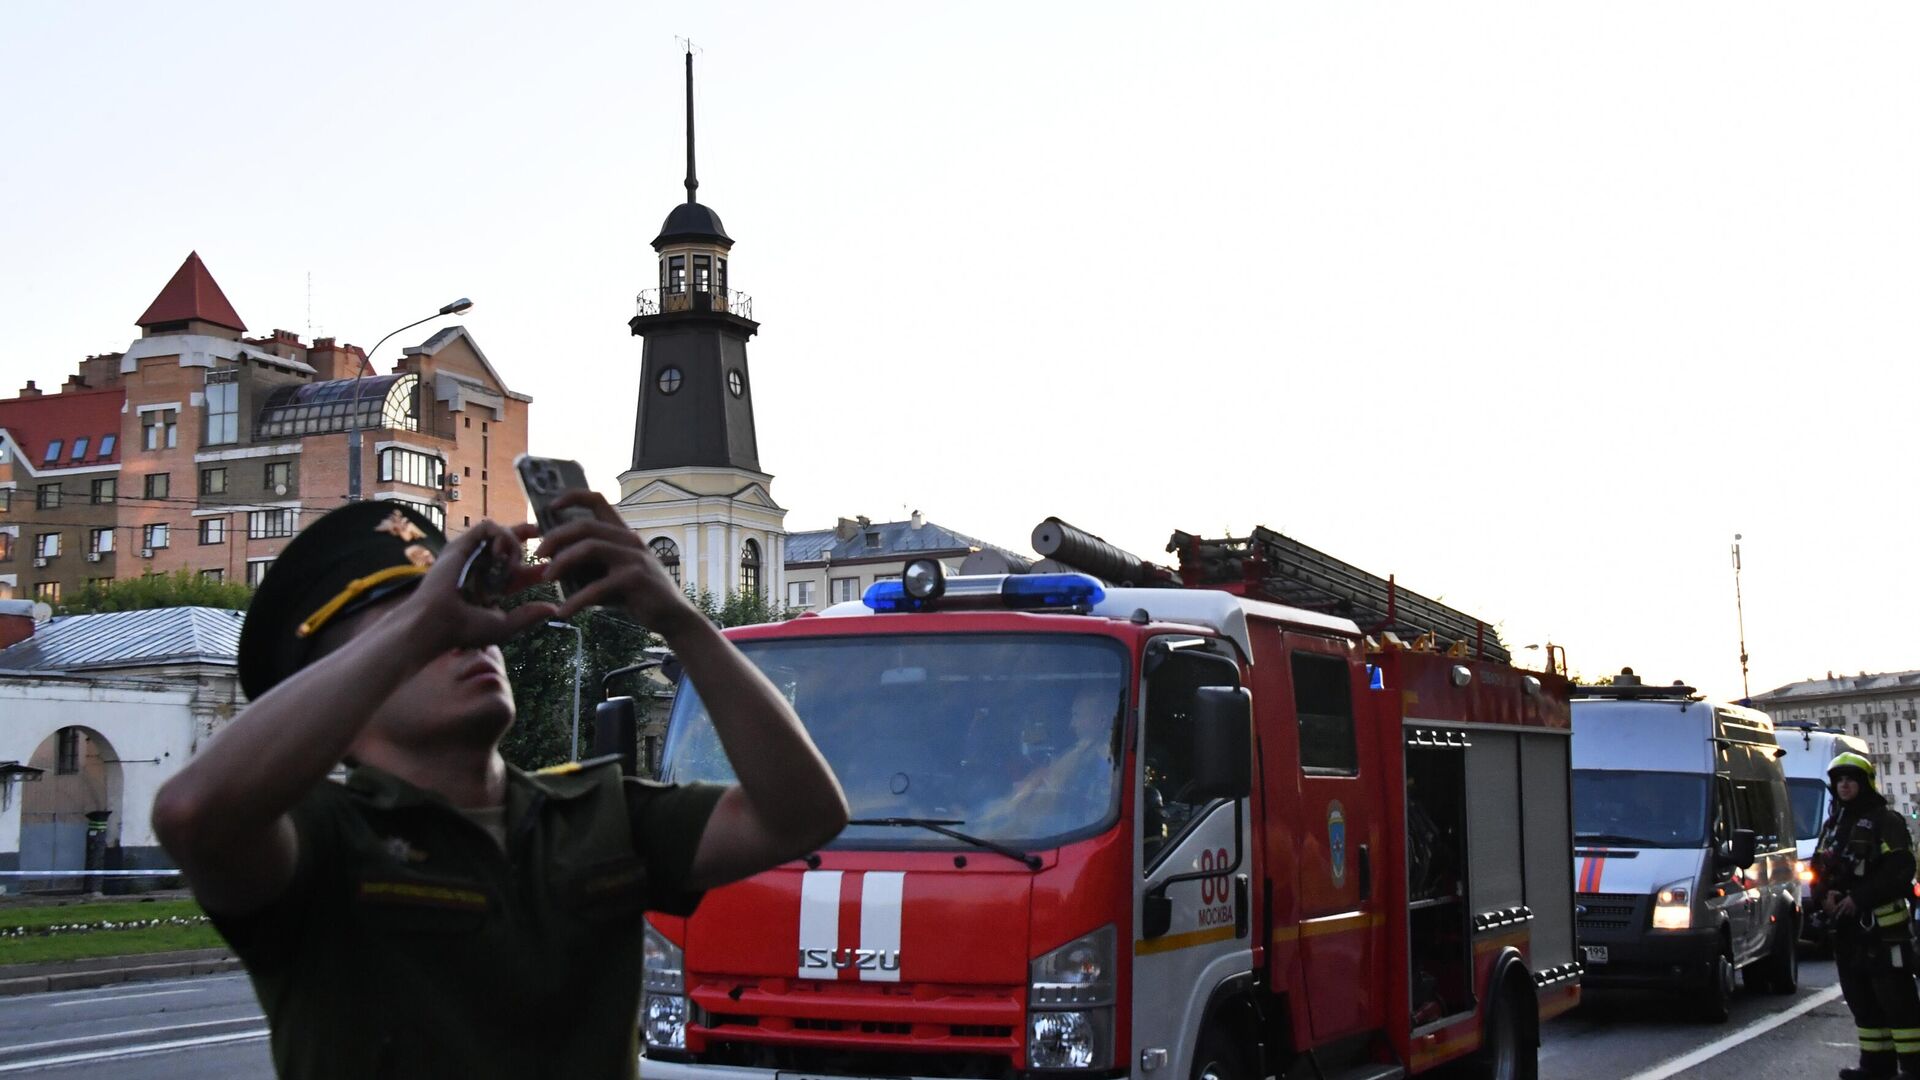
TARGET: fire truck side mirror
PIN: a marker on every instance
(1222, 743)
(616, 731)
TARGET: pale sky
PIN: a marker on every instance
(1533, 305)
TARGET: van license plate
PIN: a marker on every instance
(1595, 954)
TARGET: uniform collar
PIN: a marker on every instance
(386, 791)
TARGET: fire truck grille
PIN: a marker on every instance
(829, 1061)
(864, 1027)
(1607, 911)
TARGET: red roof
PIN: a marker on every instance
(192, 294)
(32, 424)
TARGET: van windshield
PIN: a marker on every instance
(1630, 808)
(1007, 737)
(1806, 795)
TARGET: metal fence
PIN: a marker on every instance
(672, 299)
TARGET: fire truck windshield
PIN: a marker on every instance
(1631, 808)
(1008, 737)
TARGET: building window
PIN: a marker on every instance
(213, 530)
(47, 545)
(47, 592)
(216, 576)
(6, 547)
(431, 511)
(736, 382)
(702, 273)
(279, 475)
(158, 429)
(257, 569)
(213, 481)
(106, 445)
(843, 589)
(104, 490)
(79, 448)
(268, 524)
(53, 452)
(154, 536)
(411, 467)
(223, 407)
(723, 272)
(66, 755)
(668, 553)
(670, 380)
(158, 485)
(100, 541)
(49, 497)
(750, 567)
(800, 594)
(676, 273)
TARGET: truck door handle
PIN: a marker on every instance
(1366, 874)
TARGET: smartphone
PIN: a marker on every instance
(544, 480)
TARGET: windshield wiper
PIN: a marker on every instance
(1613, 838)
(939, 825)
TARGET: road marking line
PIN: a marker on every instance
(132, 1051)
(44, 997)
(1714, 1049)
(126, 997)
(133, 1031)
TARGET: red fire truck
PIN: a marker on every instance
(1267, 815)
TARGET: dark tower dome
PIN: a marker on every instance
(691, 222)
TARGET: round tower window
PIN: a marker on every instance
(670, 380)
(736, 382)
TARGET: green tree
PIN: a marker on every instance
(182, 588)
(540, 667)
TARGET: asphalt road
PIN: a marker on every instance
(211, 1028)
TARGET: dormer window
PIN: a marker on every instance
(79, 448)
(106, 445)
(53, 451)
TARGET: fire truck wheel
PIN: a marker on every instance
(1509, 1048)
(1220, 1055)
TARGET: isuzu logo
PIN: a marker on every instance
(849, 959)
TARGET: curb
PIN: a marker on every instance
(129, 969)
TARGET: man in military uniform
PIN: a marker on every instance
(441, 913)
(1865, 886)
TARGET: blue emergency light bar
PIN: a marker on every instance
(1015, 592)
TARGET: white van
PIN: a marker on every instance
(1808, 750)
(1684, 862)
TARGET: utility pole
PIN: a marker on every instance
(1740, 612)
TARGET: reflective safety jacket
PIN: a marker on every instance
(1869, 854)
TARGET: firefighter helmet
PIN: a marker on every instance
(1850, 761)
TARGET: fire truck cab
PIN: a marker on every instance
(1124, 831)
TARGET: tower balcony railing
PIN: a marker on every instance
(669, 299)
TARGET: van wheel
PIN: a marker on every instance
(1509, 1047)
(1779, 973)
(1716, 1005)
(1219, 1055)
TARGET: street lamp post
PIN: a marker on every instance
(579, 665)
(353, 415)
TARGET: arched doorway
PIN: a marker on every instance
(73, 807)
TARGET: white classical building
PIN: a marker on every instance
(96, 711)
(1883, 709)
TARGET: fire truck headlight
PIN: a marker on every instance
(1070, 1003)
(1070, 1040)
(663, 1013)
(665, 1022)
(1075, 974)
(1671, 907)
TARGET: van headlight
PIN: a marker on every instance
(663, 1011)
(1070, 1005)
(1672, 906)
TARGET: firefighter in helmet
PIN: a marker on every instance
(1866, 858)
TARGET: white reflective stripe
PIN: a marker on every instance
(819, 919)
(880, 922)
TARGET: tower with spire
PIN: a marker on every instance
(695, 491)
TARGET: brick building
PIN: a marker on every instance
(202, 449)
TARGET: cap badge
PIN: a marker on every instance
(400, 525)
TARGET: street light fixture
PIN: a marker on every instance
(579, 661)
(366, 363)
